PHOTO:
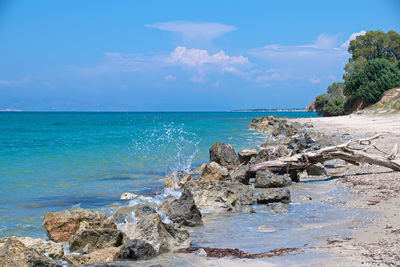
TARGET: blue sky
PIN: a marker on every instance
(177, 55)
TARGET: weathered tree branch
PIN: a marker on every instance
(353, 155)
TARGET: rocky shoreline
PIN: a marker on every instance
(224, 185)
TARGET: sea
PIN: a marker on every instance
(50, 161)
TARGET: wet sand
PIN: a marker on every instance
(375, 189)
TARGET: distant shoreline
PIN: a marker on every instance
(271, 110)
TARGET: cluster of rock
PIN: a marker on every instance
(225, 184)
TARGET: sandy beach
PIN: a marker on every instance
(376, 189)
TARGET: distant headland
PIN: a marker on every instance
(270, 110)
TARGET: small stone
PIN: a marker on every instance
(214, 171)
(246, 155)
(267, 179)
(271, 195)
(316, 170)
(223, 154)
(136, 249)
(128, 196)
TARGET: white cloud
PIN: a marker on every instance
(204, 31)
(170, 78)
(353, 36)
(197, 57)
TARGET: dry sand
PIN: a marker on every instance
(376, 189)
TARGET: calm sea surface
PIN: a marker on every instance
(53, 161)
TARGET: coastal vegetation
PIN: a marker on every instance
(373, 68)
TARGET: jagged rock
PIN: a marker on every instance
(104, 255)
(124, 215)
(162, 236)
(50, 248)
(223, 154)
(60, 226)
(183, 211)
(268, 179)
(271, 195)
(220, 196)
(246, 155)
(214, 171)
(241, 175)
(316, 170)
(177, 180)
(14, 253)
(128, 196)
(136, 249)
(143, 209)
(89, 240)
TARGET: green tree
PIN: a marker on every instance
(332, 103)
(369, 83)
(374, 44)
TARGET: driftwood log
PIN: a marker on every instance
(353, 152)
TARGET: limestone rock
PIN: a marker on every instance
(50, 248)
(271, 195)
(162, 236)
(136, 249)
(267, 179)
(89, 240)
(183, 211)
(223, 154)
(220, 196)
(14, 253)
(104, 255)
(128, 196)
(60, 226)
(214, 171)
(177, 180)
(124, 215)
(241, 175)
(246, 155)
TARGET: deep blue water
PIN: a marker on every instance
(55, 160)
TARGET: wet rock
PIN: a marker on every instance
(183, 211)
(60, 226)
(177, 180)
(143, 210)
(215, 172)
(124, 215)
(246, 155)
(136, 249)
(267, 179)
(14, 253)
(223, 154)
(50, 248)
(105, 255)
(316, 170)
(220, 196)
(127, 196)
(241, 175)
(89, 240)
(271, 195)
(162, 236)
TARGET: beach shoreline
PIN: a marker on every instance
(375, 189)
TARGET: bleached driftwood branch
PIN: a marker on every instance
(346, 152)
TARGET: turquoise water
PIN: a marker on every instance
(53, 161)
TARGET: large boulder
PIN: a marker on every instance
(246, 155)
(316, 170)
(241, 175)
(183, 211)
(89, 240)
(271, 195)
(221, 196)
(162, 236)
(215, 172)
(136, 249)
(50, 248)
(60, 226)
(223, 154)
(268, 179)
(14, 253)
(105, 255)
